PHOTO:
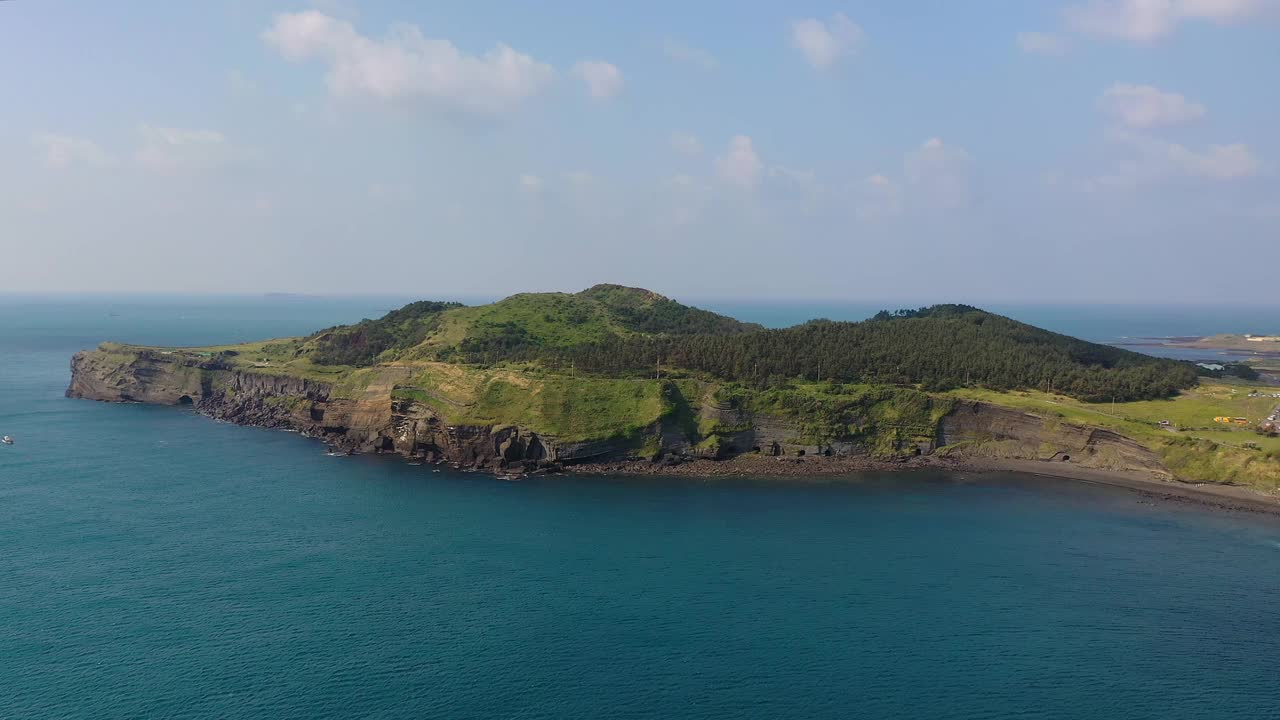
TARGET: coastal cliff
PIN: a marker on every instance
(614, 377)
(511, 422)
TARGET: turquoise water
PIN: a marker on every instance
(154, 563)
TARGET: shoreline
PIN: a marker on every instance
(1154, 485)
(1219, 497)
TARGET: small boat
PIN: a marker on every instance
(6, 440)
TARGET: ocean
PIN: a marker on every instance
(156, 564)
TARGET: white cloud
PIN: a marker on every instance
(604, 80)
(824, 43)
(689, 55)
(1152, 160)
(938, 175)
(878, 197)
(1138, 20)
(1145, 21)
(1218, 162)
(741, 166)
(166, 149)
(1040, 43)
(406, 66)
(686, 143)
(531, 183)
(64, 151)
(1144, 106)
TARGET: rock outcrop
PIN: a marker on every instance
(371, 423)
(979, 429)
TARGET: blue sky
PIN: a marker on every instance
(1081, 150)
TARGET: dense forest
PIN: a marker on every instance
(361, 344)
(936, 348)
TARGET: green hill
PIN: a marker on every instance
(615, 331)
(621, 372)
(520, 323)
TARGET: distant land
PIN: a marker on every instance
(620, 379)
(1259, 344)
(1243, 355)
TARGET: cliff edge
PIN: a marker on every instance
(513, 421)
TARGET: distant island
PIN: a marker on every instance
(623, 379)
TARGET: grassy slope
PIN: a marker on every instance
(1191, 412)
(267, 357)
(553, 319)
(560, 320)
(568, 408)
(1195, 449)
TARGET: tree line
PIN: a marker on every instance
(938, 349)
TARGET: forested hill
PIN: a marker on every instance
(617, 331)
(938, 348)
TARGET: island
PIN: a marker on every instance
(626, 380)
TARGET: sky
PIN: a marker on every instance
(1084, 151)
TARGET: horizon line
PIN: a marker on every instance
(888, 303)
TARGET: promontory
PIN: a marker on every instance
(612, 374)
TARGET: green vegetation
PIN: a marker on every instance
(610, 331)
(937, 348)
(362, 343)
(518, 324)
(1191, 412)
(1206, 460)
(611, 362)
(567, 408)
(885, 420)
(1192, 446)
(649, 313)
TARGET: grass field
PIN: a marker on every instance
(1191, 413)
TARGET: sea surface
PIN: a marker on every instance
(156, 564)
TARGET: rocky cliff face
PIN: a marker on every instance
(373, 420)
(976, 429)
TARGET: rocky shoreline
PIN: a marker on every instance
(968, 436)
(1151, 487)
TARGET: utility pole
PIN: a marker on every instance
(658, 375)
